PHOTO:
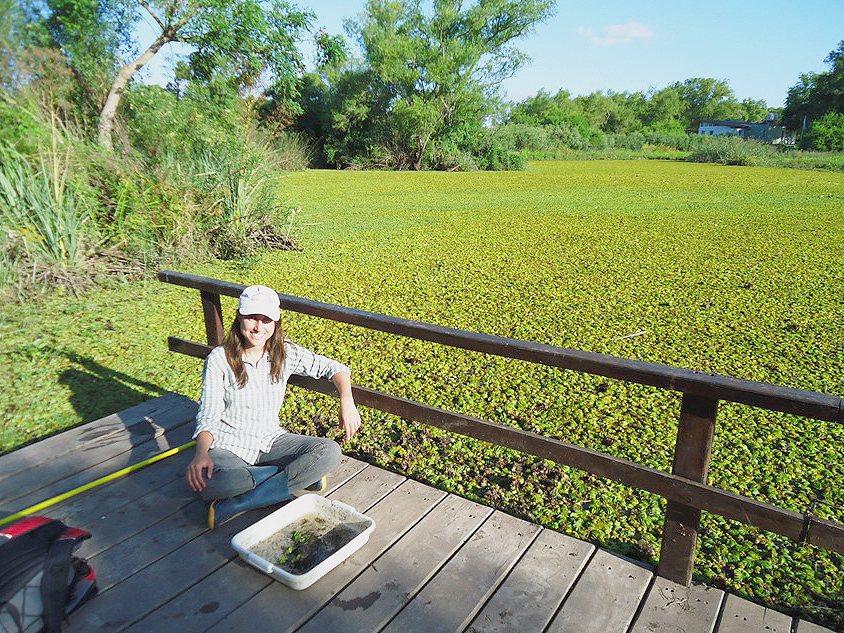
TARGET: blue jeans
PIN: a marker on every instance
(303, 458)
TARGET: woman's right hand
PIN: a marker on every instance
(201, 467)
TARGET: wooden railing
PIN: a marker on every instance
(685, 488)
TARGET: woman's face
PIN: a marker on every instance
(256, 329)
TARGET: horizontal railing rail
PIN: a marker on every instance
(685, 489)
(808, 404)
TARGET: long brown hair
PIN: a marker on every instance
(234, 345)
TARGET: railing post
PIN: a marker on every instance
(214, 331)
(691, 460)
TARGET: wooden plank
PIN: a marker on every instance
(121, 560)
(692, 453)
(605, 597)
(171, 504)
(825, 533)
(674, 608)
(804, 626)
(742, 616)
(109, 508)
(533, 591)
(170, 439)
(202, 605)
(455, 595)
(134, 597)
(207, 602)
(131, 419)
(164, 576)
(415, 557)
(778, 398)
(127, 507)
(390, 583)
(171, 523)
(279, 608)
(132, 445)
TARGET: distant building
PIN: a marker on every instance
(767, 131)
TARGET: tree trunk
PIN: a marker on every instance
(420, 154)
(420, 150)
(125, 73)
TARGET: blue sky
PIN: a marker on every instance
(760, 48)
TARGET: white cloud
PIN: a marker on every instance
(617, 34)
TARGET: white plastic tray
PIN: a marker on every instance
(244, 540)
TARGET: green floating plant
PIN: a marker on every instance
(731, 270)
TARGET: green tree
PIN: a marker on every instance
(246, 37)
(815, 94)
(597, 108)
(11, 23)
(92, 36)
(544, 109)
(707, 98)
(826, 133)
(664, 109)
(344, 110)
(659, 115)
(754, 110)
(801, 106)
(440, 72)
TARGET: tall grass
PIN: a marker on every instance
(241, 194)
(42, 217)
(71, 212)
(550, 142)
(732, 150)
(803, 159)
(292, 151)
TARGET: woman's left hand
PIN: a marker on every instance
(349, 417)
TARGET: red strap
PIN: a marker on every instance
(75, 534)
(23, 526)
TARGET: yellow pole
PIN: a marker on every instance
(98, 482)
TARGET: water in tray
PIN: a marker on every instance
(304, 543)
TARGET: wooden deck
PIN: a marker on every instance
(435, 562)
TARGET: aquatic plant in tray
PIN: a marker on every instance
(303, 540)
(306, 542)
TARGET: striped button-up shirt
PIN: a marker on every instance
(245, 421)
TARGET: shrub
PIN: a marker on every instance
(541, 140)
(732, 150)
(494, 151)
(630, 140)
(159, 121)
(20, 127)
(671, 136)
(42, 218)
(71, 212)
(570, 136)
(826, 134)
(520, 137)
(240, 198)
(149, 214)
(293, 151)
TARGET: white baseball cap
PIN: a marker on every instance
(260, 300)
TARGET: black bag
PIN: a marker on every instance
(41, 582)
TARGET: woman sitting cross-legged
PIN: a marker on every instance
(244, 459)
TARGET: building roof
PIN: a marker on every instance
(728, 123)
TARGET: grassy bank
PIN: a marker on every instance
(722, 150)
(724, 269)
